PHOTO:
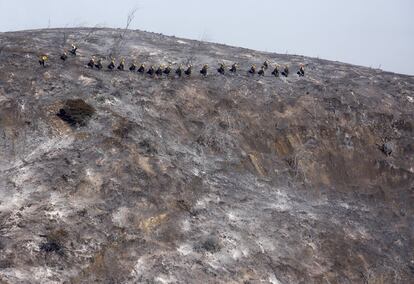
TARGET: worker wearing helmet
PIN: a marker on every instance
(189, 70)
(301, 71)
(141, 69)
(167, 70)
(98, 64)
(233, 68)
(222, 69)
(111, 65)
(160, 70)
(64, 56)
(204, 70)
(285, 71)
(252, 69)
(73, 50)
(43, 59)
(91, 62)
(262, 71)
(121, 65)
(133, 66)
(276, 71)
(151, 70)
(179, 70)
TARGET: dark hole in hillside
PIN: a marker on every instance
(76, 112)
(52, 246)
(148, 147)
(211, 245)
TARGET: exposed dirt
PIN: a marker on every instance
(117, 177)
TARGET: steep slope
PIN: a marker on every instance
(118, 177)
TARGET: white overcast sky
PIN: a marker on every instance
(376, 33)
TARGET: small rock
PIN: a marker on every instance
(387, 148)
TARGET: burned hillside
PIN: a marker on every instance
(121, 177)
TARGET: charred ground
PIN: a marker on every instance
(116, 177)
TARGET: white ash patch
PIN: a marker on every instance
(120, 217)
(239, 252)
(111, 101)
(86, 80)
(185, 249)
(202, 203)
(59, 208)
(273, 279)
(36, 274)
(51, 144)
(232, 216)
(94, 178)
(185, 225)
(182, 42)
(22, 175)
(139, 268)
(196, 172)
(165, 279)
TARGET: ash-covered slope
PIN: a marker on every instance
(116, 177)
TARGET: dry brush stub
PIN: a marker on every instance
(122, 177)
